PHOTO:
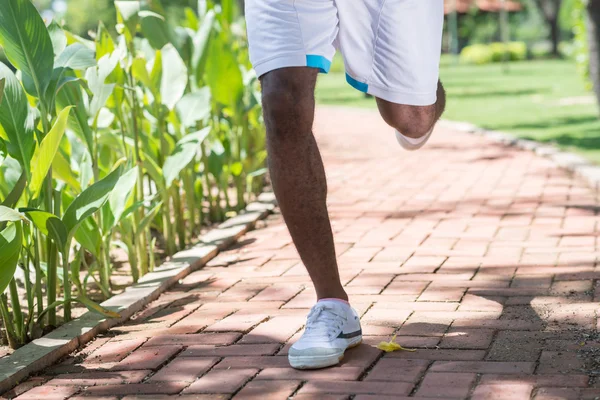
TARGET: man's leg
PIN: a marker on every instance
(413, 121)
(298, 174)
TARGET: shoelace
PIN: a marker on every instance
(324, 321)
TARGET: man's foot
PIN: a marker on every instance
(413, 144)
(331, 328)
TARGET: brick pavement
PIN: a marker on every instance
(481, 257)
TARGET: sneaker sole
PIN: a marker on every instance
(314, 362)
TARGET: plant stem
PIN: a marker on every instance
(190, 200)
(8, 323)
(143, 237)
(67, 283)
(20, 330)
(178, 216)
(37, 238)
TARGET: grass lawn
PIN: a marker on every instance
(540, 100)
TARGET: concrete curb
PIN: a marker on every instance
(573, 163)
(45, 351)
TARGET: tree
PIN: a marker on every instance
(550, 10)
(593, 28)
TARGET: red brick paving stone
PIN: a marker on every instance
(184, 369)
(113, 351)
(461, 338)
(47, 392)
(25, 386)
(337, 373)
(99, 378)
(94, 398)
(375, 388)
(516, 346)
(237, 322)
(484, 367)
(257, 362)
(539, 380)
(447, 385)
(147, 358)
(559, 362)
(218, 339)
(202, 318)
(503, 391)
(472, 302)
(136, 388)
(394, 253)
(277, 329)
(169, 397)
(404, 287)
(442, 294)
(379, 397)
(557, 394)
(590, 394)
(278, 292)
(425, 325)
(397, 370)
(319, 396)
(265, 349)
(222, 381)
(265, 390)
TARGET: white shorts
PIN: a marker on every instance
(391, 48)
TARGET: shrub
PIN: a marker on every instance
(479, 54)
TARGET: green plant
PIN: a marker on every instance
(480, 54)
(132, 141)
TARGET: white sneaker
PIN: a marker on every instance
(331, 328)
(412, 144)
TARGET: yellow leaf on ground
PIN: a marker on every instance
(390, 346)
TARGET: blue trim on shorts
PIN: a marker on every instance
(361, 86)
(319, 62)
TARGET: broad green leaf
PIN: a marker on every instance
(236, 168)
(15, 194)
(14, 119)
(227, 11)
(45, 152)
(50, 225)
(61, 169)
(52, 306)
(202, 41)
(156, 73)
(140, 73)
(191, 18)
(77, 57)
(11, 239)
(96, 78)
(2, 83)
(216, 159)
(194, 107)
(127, 14)
(185, 151)
(9, 215)
(104, 42)
(155, 29)
(155, 173)
(147, 220)
(224, 75)
(174, 77)
(90, 200)
(88, 235)
(26, 42)
(71, 95)
(58, 38)
(123, 189)
(92, 306)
